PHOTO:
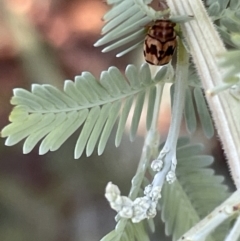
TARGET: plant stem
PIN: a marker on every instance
(167, 155)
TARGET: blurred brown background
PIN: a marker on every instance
(54, 197)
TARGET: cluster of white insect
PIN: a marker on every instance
(137, 210)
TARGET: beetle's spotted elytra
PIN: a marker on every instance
(160, 42)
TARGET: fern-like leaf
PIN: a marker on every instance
(125, 25)
(228, 14)
(203, 113)
(51, 116)
(196, 192)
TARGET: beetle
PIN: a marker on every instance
(160, 42)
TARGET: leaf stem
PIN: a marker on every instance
(227, 209)
(168, 154)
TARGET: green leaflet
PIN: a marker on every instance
(230, 62)
(113, 114)
(97, 129)
(128, 12)
(123, 118)
(214, 9)
(127, 231)
(18, 131)
(227, 14)
(189, 112)
(202, 110)
(151, 103)
(137, 115)
(203, 113)
(125, 25)
(51, 116)
(86, 131)
(112, 236)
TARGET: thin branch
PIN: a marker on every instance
(227, 209)
(167, 156)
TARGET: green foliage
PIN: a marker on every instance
(226, 15)
(126, 230)
(230, 62)
(203, 113)
(124, 25)
(194, 97)
(227, 18)
(52, 116)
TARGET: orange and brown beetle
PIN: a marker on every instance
(160, 42)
